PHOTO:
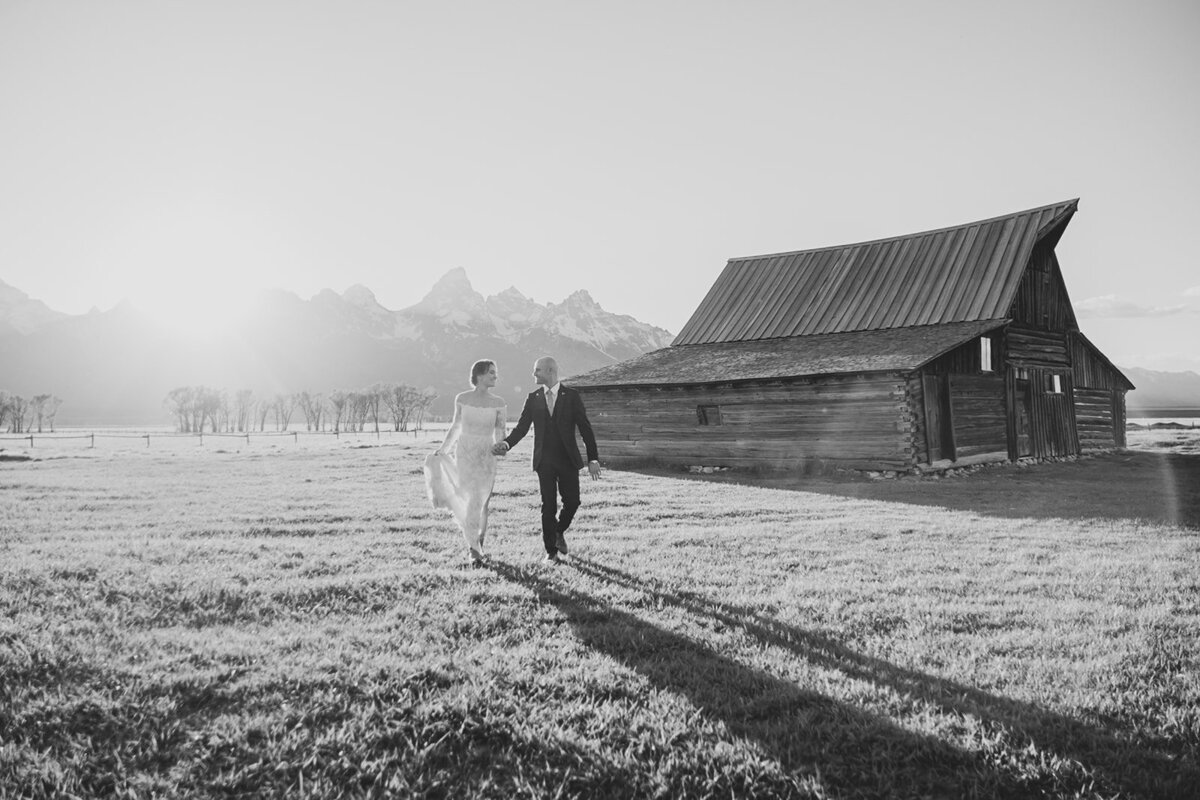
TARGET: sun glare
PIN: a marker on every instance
(198, 313)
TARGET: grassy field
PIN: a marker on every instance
(282, 619)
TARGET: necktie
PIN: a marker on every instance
(550, 400)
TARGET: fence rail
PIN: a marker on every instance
(201, 436)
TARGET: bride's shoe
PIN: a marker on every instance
(476, 557)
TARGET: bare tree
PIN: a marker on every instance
(52, 410)
(421, 405)
(37, 409)
(356, 411)
(264, 410)
(337, 404)
(393, 400)
(406, 404)
(312, 406)
(284, 406)
(18, 413)
(179, 400)
(243, 406)
(5, 407)
(225, 412)
(214, 406)
(197, 410)
(194, 406)
(374, 399)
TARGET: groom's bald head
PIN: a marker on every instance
(545, 371)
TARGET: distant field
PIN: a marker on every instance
(290, 618)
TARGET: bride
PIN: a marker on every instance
(459, 476)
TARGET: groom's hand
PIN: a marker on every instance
(499, 448)
(594, 470)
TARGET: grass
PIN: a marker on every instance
(296, 621)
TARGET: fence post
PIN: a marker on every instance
(93, 441)
(201, 437)
(295, 437)
(247, 438)
(147, 440)
(30, 442)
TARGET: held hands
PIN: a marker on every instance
(500, 448)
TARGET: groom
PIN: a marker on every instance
(555, 411)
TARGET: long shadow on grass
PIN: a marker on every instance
(844, 749)
(1155, 487)
(1110, 755)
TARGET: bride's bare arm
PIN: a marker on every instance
(501, 424)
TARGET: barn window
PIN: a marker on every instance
(708, 415)
(985, 354)
(1055, 386)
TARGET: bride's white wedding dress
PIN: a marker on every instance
(462, 482)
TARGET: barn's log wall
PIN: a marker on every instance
(1119, 419)
(1028, 347)
(1095, 420)
(855, 422)
(916, 402)
(1099, 398)
(978, 414)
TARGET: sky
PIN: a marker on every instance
(184, 155)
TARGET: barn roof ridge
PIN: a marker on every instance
(1069, 205)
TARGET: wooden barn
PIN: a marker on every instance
(938, 349)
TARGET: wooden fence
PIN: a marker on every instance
(47, 437)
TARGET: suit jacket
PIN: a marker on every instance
(569, 415)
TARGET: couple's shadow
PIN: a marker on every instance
(842, 747)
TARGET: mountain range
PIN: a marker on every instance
(116, 367)
(1158, 393)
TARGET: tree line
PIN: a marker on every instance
(21, 414)
(197, 408)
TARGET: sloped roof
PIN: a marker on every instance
(772, 359)
(964, 273)
(1095, 351)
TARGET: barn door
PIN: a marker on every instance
(939, 424)
(1060, 416)
(1024, 430)
(1052, 414)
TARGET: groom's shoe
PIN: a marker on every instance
(561, 544)
(551, 558)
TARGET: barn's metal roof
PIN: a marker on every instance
(964, 273)
(773, 359)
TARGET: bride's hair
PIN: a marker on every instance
(480, 368)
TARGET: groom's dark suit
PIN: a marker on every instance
(556, 457)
